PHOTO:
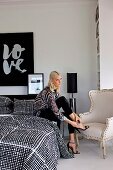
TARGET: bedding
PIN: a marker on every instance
(30, 143)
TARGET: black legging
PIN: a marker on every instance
(61, 103)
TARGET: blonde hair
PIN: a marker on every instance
(50, 83)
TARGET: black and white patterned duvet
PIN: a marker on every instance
(30, 143)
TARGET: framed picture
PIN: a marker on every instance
(35, 83)
(16, 58)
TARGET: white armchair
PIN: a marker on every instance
(99, 118)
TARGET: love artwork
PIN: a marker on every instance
(16, 58)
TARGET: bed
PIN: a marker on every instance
(28, 142)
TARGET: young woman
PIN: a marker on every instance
(48, 102)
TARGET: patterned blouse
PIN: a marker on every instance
(46, 99)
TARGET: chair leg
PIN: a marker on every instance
(103, 146)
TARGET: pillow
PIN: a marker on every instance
(5, 110)
(5, 105)
(5, 101)
(23, 107)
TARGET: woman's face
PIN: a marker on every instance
(57, 81)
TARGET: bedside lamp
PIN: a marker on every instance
(72, 88)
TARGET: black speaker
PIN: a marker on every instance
(71, 82)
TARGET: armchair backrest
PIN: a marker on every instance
(101, 104)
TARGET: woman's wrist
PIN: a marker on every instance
(67, 120)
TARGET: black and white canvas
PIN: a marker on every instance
(16, 58)
(35, 83)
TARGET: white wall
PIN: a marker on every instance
(64, 40)
(106, 43)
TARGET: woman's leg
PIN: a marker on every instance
(64, 104)
(48, 114)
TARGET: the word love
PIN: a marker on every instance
(15, 61)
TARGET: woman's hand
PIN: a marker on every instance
(77, 125)
(74, 124)
(77, 118)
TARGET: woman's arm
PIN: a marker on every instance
(53, 106)
(73, 123)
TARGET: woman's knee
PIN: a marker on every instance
(62, 98)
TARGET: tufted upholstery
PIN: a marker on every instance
(99, 117)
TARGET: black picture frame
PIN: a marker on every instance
(35, 83)
(16, 58)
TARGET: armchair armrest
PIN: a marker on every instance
(108, 133)
(86, 117)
